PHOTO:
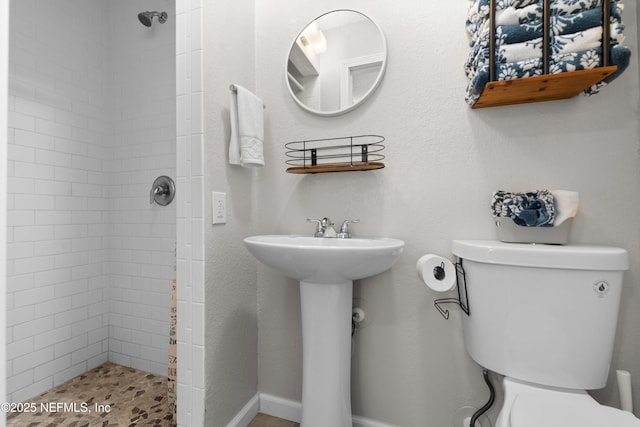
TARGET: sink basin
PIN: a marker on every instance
(326, 269)
(325, 260)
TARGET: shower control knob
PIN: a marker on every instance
(162, 191)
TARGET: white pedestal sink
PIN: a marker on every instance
(326, 269)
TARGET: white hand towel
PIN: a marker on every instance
(247, 129)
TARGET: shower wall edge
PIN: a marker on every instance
(4, 87)
(190, 215)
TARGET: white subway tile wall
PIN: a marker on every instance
(92, 122)
(190, 213)
(142, 136)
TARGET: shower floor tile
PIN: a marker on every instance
(109, 395)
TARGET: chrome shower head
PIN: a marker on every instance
(146, 18)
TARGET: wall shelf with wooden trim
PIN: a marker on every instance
(336, 167)
(343, 154)
(547, 87)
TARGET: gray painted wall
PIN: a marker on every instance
(443, 162)
(230, 274)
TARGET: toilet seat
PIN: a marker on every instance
(535, 410)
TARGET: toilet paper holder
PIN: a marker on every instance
(461, 285)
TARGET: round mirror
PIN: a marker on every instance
(336, 62)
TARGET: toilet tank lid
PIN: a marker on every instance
(578, 257)
(530, 410)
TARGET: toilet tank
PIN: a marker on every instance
(545, 314)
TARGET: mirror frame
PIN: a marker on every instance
(366, 96)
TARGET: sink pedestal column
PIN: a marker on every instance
(326, 354)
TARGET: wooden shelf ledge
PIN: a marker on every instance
(337, 167)
(548, 87)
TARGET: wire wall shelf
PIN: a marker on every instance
(344, 154)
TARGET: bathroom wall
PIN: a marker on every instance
(443, 162)
(91, 125)
(231, 333)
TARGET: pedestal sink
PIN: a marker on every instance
(326, 269)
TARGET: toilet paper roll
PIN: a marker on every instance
(437, 272)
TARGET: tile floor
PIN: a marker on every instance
(262, 420)
(108, 396)
(111, 396)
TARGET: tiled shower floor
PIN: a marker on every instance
(107, 396)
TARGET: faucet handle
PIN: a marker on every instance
(344, 230)
(326, 222)
(319, 231)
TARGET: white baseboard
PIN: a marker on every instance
(280, 407)
(366, 422)
(247, 413)
(292, 410)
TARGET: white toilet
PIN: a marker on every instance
(544, 316)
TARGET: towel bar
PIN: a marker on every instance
(234, 89)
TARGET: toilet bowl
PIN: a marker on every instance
(544, 317)
(530, 405)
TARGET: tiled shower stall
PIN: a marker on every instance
(92, 124)
(95, 115)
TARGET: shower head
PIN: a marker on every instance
(146, 18)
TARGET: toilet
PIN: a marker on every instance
(544, 317)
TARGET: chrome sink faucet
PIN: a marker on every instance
(325, 228)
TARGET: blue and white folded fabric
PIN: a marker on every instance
(532, 209)
(515, 16)
(516, 25)
(575, 40)
(560, 24)
(516, 52)
(583, 40)
(559, 63)
(515, 11)
(568, 43)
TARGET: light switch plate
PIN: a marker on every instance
(219, 207)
